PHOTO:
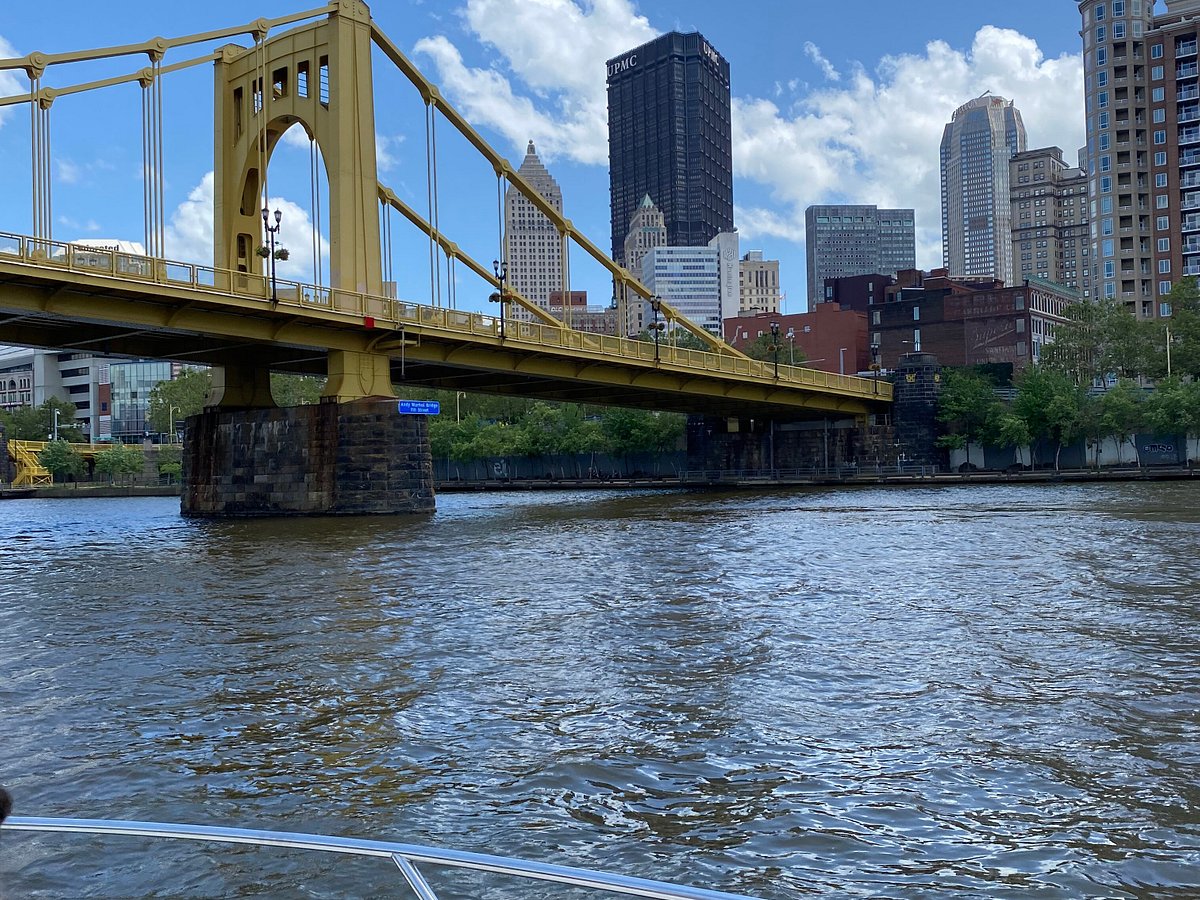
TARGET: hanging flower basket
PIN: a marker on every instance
(263, 252)
(282, 254)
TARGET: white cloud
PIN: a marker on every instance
(10, 82)
(68, 172)
(554, 48)
(387, 151)
(813, 52)
(91, 226)
(190, 233)
(876, 139)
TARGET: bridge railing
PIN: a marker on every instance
(398, 313)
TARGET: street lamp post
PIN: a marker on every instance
(842, 360)
(500, 267)
(875, 365)
(55, 429)
(171, 423)
(656, 326)
(775, 345)
(791, 336)
(272, 230)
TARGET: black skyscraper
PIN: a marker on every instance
(669, 137)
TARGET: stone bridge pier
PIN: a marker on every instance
(358, 456)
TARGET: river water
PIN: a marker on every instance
(960, 691)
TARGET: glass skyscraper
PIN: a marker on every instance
(982, 137)
(669, 139)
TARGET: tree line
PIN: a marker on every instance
(1091, 384)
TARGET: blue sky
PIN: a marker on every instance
(832, 103)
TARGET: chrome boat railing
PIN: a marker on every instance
(405, 856)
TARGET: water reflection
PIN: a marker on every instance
(964, 691)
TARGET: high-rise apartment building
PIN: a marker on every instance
(532, 245)
(841, 241)
(758, 284)
(1050, 236)
(669, 137)
(647, 230)
(1175, 109)
(977, 144)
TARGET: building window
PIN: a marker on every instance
(1102, 57)
(1156, 73)
(1160, 137)
(1162, 223)
(1164, 267)
(874, 317)
(1101, 79)
(1118, 9)
(916, 340)
(1106, 184)
(1110, 269)
(1164, 245)
(1156, 51)
(1160, 202)
(1100, 12)
(1104, 142)
(1160, 179)
(916, 314)
(1160, 157)
(1106, 247)
(1101, 36)
(1158, 94)
(1164, 288)
(1118, 31)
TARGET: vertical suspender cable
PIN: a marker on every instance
(312, 199)
(429, 201)
(34, 183)
(436, 218)
(146, 189)
(160, 178)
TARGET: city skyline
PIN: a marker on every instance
(832, 119)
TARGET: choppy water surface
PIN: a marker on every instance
(978, 691)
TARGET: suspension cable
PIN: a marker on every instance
(429, 201)
(436, 214)
(315, 222)
(40, 158)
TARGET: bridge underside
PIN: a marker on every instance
(115, 317)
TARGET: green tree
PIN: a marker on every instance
(120, 460)
(178, 398)
(36, 423)
(1181, 330)
(1098, 339)
(966, 406)
(296, 390)
(1173, 407)
(170, 461)
(62, 460)
(1050, 404)
(1120, 413)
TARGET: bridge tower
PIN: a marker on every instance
(317, 76)
(353, 453)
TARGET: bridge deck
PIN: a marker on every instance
(57, 295)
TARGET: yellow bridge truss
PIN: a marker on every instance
(31, 472)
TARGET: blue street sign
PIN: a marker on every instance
(419, 407)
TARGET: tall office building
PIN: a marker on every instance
(699, 282)
(841, 241)
(977, 144)
(647, 230)
(758, 284)
(1050, 237)
(532, 245)
(669, 137)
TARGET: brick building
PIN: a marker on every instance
(967, 322)
(829, 338)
